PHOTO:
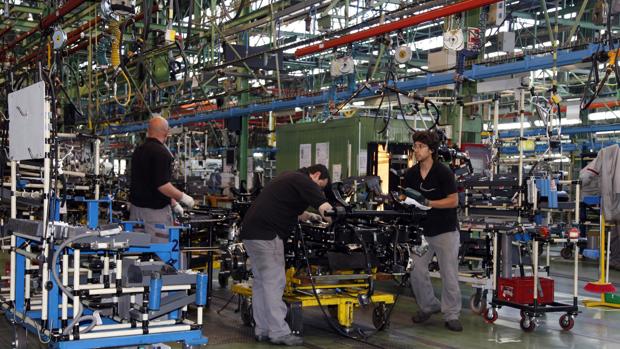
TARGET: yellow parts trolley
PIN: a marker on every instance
(340, 294)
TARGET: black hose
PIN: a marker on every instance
(327, 318)
(189, 21)
(371, 283)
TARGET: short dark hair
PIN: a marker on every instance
(429, 138)
(317, 168)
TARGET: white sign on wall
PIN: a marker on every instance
(336, 172)
(322, 154)
(305, 155)
(362, 163)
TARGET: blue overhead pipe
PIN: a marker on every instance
(477, 72)
(566, 130)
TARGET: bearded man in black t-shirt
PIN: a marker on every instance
(434, 185)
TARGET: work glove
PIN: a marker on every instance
(178, 209)
(313, 217)
(416, 195)
(187, 201)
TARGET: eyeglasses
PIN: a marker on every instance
(420, 146)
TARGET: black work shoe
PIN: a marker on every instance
(420, 316)
(454, 325)
(288, 340)
(261, 338)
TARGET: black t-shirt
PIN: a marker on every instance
(438, 184)
(277, 207)
(151, 167)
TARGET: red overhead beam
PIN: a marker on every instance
(45, 22)
(394, 26)
(72, 37)
(4, 31)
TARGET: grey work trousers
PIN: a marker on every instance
(446, 246)
(267, 263)
(152, 217)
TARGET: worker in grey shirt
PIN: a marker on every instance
(265, 228)
(434, 185)
(601, 177)
(152, 196)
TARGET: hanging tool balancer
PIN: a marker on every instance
(471, 50)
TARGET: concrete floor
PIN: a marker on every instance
(594, 328)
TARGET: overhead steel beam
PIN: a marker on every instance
(45, 22)
(72, 37)
(562, 21)
(26, 9)
(394, 26)
(528, 63)
(568, 148)
(566, 130)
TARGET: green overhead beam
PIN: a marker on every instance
(561, 21)
(26, 9)
(263, 12)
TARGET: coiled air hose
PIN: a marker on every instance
(115, 56)
(77, 317)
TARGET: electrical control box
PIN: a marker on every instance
(506, 41)
(29, 122)
(441, 60)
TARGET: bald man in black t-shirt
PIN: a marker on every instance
(153, 198)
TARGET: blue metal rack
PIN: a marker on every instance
(169, 252)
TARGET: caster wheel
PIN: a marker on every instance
(567, 252)
(379, 317)
(567, 322)
(490, 315)
(246, 312)
(222, 279)
(483, 307)
(528, 324)
(477, 304)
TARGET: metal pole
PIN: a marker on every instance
(47, 164)
(245, 98)
(495, 150)
(13, 189)
(13, 238)
(460, 143)
(97, 146)
(521, 132)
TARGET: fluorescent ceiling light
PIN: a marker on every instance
(554, 122)
(602, 133)
(512, 126)
(604, 115)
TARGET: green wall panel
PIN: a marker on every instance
(339, 134)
